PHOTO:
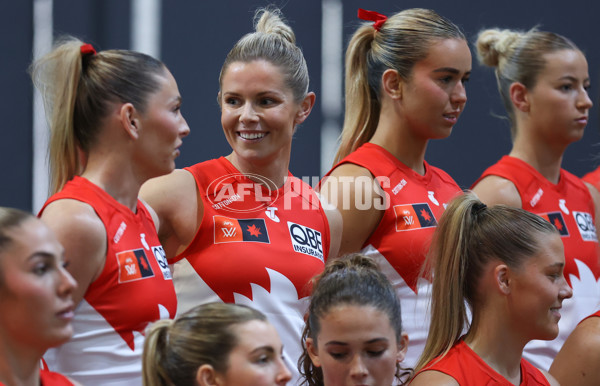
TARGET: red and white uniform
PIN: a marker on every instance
(49, 378)
(569, 206)
(254, 247)
(401, 240)
(134, 288)
(468, 369)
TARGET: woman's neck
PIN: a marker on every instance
(274, 172)
(492, 341)
(545, 159)
(19, 367)
(400, 142)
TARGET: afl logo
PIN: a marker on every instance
(306, 240)
(241, 193)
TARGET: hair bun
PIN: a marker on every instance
(492, 44)
(271, 21)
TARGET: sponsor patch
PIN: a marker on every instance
(586, 226)
(414, 216)
(133, 265)
(556, 219)
(229, 230)
(306, 240)
(161, 259)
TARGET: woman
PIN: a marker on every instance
(353, 333)
(241, 229)
(507, 265)
(543, 81)
(405, 85)
(214, 344)
(115, 122)
(36, 299)
(576, 364)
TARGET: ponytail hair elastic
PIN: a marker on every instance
(87, 49)
(378, 18)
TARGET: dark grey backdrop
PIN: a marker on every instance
(197, 34)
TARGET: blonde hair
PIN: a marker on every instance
(468, 237)
(518, 56)
(175, 349)
(403, 40)
(78, 89)
(275, 42)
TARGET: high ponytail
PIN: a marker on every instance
(469, 236)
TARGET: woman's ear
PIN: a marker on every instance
(305, 108)
(311, 349)
(519, 95)
(129, 120)
(392, 83)
(502, 278)
(207, 376)
(402, 347)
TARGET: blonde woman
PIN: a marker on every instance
(543, 81)
(405, 85)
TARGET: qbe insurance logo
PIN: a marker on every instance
(306, 240)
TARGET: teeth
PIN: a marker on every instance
(252, 135)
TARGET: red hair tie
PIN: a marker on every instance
(87, 49)
(378, 18)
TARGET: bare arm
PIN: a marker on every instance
(174, 200)
(83, 235)
(433, 377)
(577, 361)
(351, 189)
(494, 190)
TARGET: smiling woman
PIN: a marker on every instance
(36, 298)
(241, 228)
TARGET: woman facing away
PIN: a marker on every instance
(241, 229)
(214, 344)
(507, 265)
(115, 122)
(36, 299)
(543, 82)
(353, 333)
(405, 85)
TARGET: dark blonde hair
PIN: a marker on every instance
(11, 218)
(275, 42)
(468, 237)
(353, 279)
(78, 90)
(175, 349)
(517, 56)
(403, 40)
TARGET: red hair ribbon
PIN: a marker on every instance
(378, 18)
(87, 49)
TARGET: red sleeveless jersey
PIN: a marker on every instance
(134, 289)
(569, 206)
(401, 240)
(254, 247)
(468, 369)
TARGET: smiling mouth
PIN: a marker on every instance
(251, 136)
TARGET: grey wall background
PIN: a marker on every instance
(197, 34)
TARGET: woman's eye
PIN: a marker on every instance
(41, 269)
(231, 101)
(337, 355)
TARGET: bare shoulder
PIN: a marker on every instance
(359, 201)
(494, 190)
(175, 207)
(433, 377)
(551, 380)
(577, 361)
(83, 236)
(594, 193)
